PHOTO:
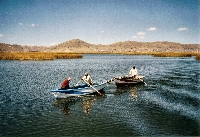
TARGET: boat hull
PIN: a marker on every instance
(79, 90)
(128, 81)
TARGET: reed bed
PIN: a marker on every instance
(179, 54)
(37, 55)
(65, 55)
(170, 54)
(197, 57)
(155, 54)
(167, 54)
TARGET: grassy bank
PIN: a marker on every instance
(155, 54)
(181, 54)
(167, 54)
(37, 55)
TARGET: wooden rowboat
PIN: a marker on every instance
(128, 81)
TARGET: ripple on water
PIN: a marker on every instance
(167, 106)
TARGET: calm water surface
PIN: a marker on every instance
(169, 105)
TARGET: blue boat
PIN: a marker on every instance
(79, 90)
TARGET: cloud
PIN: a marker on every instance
(33, 25)
(152, 29)
(182, 29)
(20, 24)
(133, 37)
(1, 35)
(141, 33)
(142, 37)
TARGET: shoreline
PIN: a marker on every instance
(78, 55)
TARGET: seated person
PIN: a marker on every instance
(65, 84)
(87, 78)
(133, 72)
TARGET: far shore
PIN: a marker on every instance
(70, 55)
(155, 54)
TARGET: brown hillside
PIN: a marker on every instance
(77, 45)
(127, 46)
(71, 46)
(8, 48)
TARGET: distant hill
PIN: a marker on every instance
(77, 45)
(18, 48)
(9, 48)
(74, 45)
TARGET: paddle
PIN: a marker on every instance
(93, 87)
(78, 82)
(143, 81)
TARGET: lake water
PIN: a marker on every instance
(168, 105)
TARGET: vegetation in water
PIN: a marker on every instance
(179, 54)
(37, 55)
(67, 55)
(198, 56)
(167, 54)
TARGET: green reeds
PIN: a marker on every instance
(37, 55)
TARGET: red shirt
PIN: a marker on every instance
(65, 84)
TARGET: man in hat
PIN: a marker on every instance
(65, 84)
(87, 78)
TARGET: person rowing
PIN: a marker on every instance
(87, 78)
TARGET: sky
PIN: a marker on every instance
(51, 22)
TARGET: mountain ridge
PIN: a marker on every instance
(77, 45)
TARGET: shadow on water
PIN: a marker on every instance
(65, 104)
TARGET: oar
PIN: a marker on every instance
(143, 81)
(93, 87)
(78, 82)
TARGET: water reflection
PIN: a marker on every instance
(65, 103)
(88, 101)
(133, 90)
(134, 93)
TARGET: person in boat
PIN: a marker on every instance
(133, 72)
(65, 83)
(87, 78)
